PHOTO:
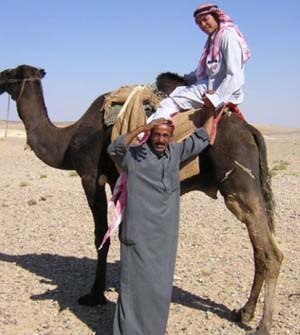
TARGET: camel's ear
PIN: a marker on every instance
(42, 73)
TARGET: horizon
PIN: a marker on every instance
(262, 127)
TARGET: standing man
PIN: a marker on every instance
(149, 230)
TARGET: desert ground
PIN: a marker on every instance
(47, 254)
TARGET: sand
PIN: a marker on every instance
(47, 256)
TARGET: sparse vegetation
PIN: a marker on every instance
(279, 166)
(24, 184)
(73, 174)
(43, 176)
(47, 221)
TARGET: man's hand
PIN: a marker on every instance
(208, 124)
(156, 122)
(209, 110)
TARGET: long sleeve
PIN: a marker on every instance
(193, 145)
(117, 150)
(234, 74)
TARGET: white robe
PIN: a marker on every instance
(224, 75)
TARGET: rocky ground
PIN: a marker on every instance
(47, 256)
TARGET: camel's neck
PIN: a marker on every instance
(47, 141)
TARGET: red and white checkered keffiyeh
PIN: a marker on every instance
(213, 49)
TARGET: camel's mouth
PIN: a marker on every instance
(5, 78)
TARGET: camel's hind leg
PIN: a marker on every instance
(267, 257)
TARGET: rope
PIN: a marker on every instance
(22, 89)
(17, 100)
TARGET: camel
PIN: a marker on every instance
(236, 166)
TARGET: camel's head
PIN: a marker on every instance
(166, 82)
(11, 80)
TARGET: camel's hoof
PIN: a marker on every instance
(236, 315)
(92, 300)
(239, 315)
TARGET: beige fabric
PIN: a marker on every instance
(117, 96)
(185, 124)
(132, 114)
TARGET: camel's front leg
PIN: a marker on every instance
(98, 204)
(267, 257)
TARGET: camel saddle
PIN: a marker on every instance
(131, 115)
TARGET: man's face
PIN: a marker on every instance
(160, 137)
(207, 23)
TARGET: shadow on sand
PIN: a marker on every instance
(72, 277)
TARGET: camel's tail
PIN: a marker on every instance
(265, 177)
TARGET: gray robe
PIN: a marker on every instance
(149, 232)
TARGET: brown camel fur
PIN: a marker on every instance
(236, 165)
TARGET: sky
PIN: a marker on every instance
(90, 47)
